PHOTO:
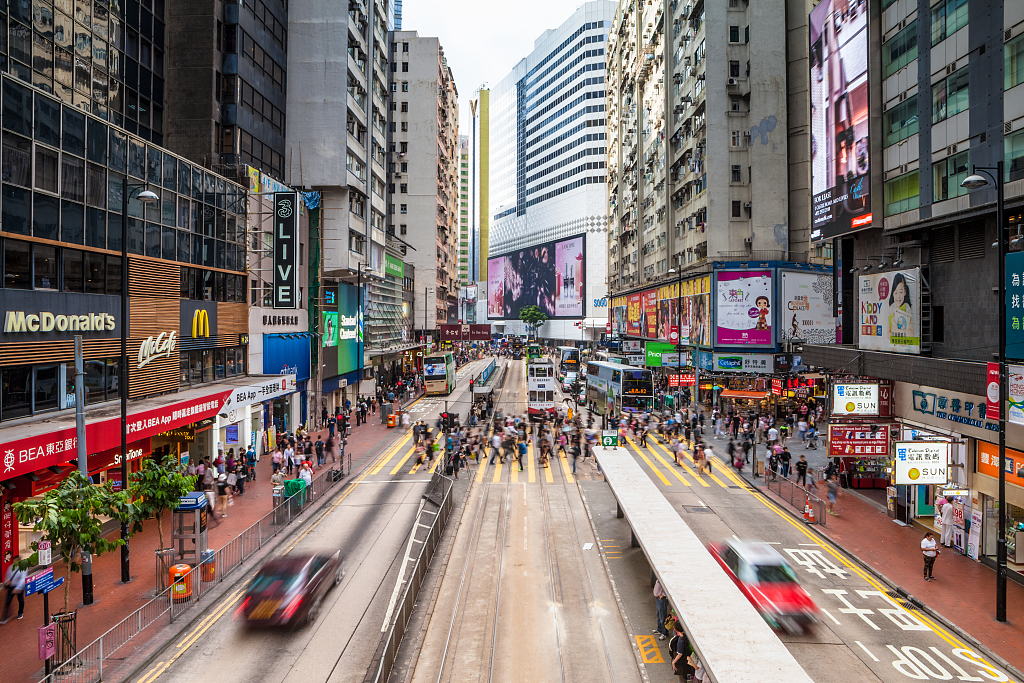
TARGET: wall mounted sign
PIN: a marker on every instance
(743, 362)
(744, 308)
(54, 316)
(269, 320)
(922, 462)
(938, 407)
(855, 399)
(286, 245)
(854, 441)
(156, 347)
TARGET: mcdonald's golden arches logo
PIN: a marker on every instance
(200, 323)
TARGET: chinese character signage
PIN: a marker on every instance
(744, 362)
(988, 463)
(286, 244)
(922, 462)
(855, 399)
(890, 311)
(1015, 393)
(938, 407)
(744, 314)
(1015, 305)
(855, 441)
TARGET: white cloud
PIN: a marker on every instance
(483, 40)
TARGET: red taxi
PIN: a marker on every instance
(288, 591)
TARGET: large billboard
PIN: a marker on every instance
(806, 307)
(840, 149)
(744, 308)
(350, 330)
(550, 275)
(890, 311)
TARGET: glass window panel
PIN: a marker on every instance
(902, 194)
(72, 178)
(42, 55)
(136, 236)
(136, 158)
(210, 252)
(184, 214)
(72, 219)
(95, 385)
(83, 11)
(74, 276)
(113, 274)
(95, 273)
(17, 265)
(96, 186)
(218, 363)
(153, 243)
(98, 148)
(1013, 66)
(230, 258)
(184, 179)
(221, 225)
(152, 209)
(184, 368)
(42, 18)
(197, 250)
(17, 108)
(100, 19)
(207, 364)
(153, 158)
(96, 228)
(209, 189)
(184, 246)
(17, 160)
(20, 45)
(1014, 149)
(948, 174)
(63, 30)
(901, 121)
(83, 76)
(209, 215)
(99, 89)
(99, 53)
(44, 262)
(17, 210)
(221, 255)
(46, 217)
(47, 129)
(46, 387)
(112, 377)
(73, 133)
(115, 191)
(168, 203)
(83, 43)
(169, 243)
(63, 68)
(170, 172)
(16, 396)
(114, 231)
(47, 162)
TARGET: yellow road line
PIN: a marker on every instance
(531, 464)
(405, 459)
(567, 469)
(481, 468)
(514, 471)
(549, 477)
(682, 462)
(498, 466)
(654, 468)
(670, 466)
(649, 650)
(390, 453)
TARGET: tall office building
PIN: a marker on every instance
(226, 104)
(547, 238)
(698, 119)
(479, 179)
(464, 211)
(425, 152)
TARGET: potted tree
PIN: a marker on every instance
(69, 517)
(155, 489)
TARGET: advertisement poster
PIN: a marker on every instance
(890, 311)
(634, 315)
(350, 330)
(853, 441)
(696, 313)
(974, 535)
(569, 277)
(330, 329)
(650, 314)
(988, 462)
(617, 316)
(806, 308)
(922, 462)
(496, 287)
(1014, 302)
(668, 301)
(1015, 393)
(855, 399)
(840, 185)
(551, 276)
(992, 391)
(744, 308)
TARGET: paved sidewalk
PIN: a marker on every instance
(113, 601)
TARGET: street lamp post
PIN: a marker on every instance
(145, 197)
(974, 182)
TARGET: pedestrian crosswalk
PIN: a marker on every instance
(660, 462)
(401, 458)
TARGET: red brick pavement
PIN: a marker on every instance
(963, 592)
(113, 601)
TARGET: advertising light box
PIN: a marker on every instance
(548, 275)
(855, 399)
(922, 462)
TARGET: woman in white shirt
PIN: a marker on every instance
(930, 550)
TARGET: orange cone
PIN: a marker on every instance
(808, 511)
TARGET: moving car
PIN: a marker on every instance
(567, 381)
(769, 583)
(288, 591)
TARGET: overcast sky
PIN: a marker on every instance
(483, 39)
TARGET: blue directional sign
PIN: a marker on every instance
(42, 582)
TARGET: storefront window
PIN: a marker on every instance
(230, 368)
(112, 378)
(207, 365)
(218, 363)
(196, 362)
(47, 387)
(16, 398)
(184, 367)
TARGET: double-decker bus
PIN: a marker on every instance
(613, 389)
(609, 357)
(568, 360)
(439, 373)
(517, 348)
(540, 387)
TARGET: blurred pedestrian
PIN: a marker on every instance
(222, 494)
(14, 582)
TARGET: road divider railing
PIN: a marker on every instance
(798, 497)
(90, 664)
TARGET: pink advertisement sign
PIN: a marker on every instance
(744, 308)
(496, 287)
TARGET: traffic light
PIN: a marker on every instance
(686, 396)
(471, 387)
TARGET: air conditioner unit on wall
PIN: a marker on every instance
(732, 82)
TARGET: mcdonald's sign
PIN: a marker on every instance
(198, 319)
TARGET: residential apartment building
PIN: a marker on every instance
(82, 93)
(226, 104)
(424, 159)
(464, 210)
(546, 241)
(697, 114)
(941, 98)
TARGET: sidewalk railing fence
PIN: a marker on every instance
(380, 669)
(796, 495)
(87, 666)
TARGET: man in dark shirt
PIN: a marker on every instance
(784, 459)
(801, 471)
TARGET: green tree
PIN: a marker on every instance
(156, 488)
(533, 316)
(69, 517)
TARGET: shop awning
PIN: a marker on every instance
(735, 393)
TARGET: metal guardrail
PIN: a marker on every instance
(87, 666)
(796, 495)
(380, 670)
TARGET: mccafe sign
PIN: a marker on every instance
(59, 316)
(156, 347)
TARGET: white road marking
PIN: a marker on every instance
(829, 615)
(866, 650)
(588, 546)
(401, 576)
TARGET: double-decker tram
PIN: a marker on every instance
(439, 373)
(534, 350)
(540, 387)
(613, 389)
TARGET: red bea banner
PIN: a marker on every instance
(7, 534)
(680, 380)
(46, 450)
(854, 441)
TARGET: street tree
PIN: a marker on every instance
(156, 488)
(533, 316)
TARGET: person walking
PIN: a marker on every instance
(521, 453)
(801, 471)
(833, 491)
(222, 494)
(319, 447)
(930, 550)
(946, 520)
(784, 459)
(661, 606)
(14, 582)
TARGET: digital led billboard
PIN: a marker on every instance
(549, 275)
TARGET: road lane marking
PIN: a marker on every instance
(400, 580)
(391, 451)
(481, 468)
(497, 471)
(664, 479)
(866, 650)
(649, 650)
(829, 615)
(682, 461)
(531, 464)
(671, 468)
(401, 463)
(567, 469)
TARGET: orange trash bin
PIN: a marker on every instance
(391, 420)
(181, 582)
(209, 566)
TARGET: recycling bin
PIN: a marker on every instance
(181, 582)
(392, 421)
(209, 566)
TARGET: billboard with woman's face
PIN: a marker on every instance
(550, 275)
(890, 311)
